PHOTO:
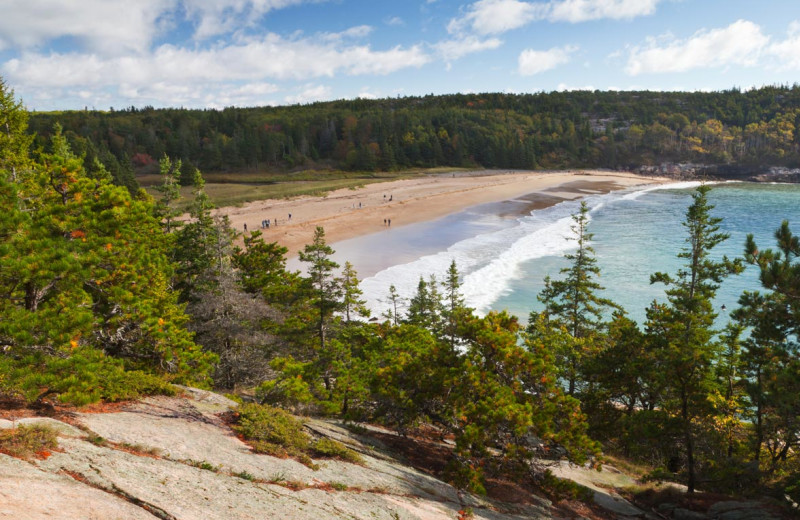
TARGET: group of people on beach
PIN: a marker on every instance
(266, 223)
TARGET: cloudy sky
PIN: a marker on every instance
(71, 54)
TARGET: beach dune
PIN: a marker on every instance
(348, 213)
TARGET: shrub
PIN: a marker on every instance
(271, 430)
(336, 450)
(26, 442)
(87, 376)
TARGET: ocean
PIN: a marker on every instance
(503, 256)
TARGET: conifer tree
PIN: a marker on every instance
(170, 189)
(14, 141)
(574, 302)
(325, 288)
(84, 275)
(202, 245)
(682, 330)
(351, 294)
(394, 300)
(425, 307)
(454, 310)
(771, 350)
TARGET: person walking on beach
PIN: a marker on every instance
(384, 222)
(290, 216)
(245, 226)
(390, 222)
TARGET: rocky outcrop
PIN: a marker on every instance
(691, 171)
(174, 458)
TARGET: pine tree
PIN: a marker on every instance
(202, 246)
(454, 310)
(14, 141)
(425, 307)
(682, 330)
(351, 294)
(771, 350)
(394, 300)
(574, 303)
(85, 275)
(170, 190)
(325, 288)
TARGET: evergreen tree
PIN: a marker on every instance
(325, 288)
(202, 246)
(85, 272)
(771, 350)
(14, 142)
(454, 310)
(351, 294)
(394, 300)
(573, 302)
(425, 307)
(170, 190)
(682, 331)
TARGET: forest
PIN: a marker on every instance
(751, 129)
(107, 295)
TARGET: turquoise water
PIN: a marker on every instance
(504, 259)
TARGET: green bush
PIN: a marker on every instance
(271, 430)
(87, 376)
(26, 442)
(330, 448)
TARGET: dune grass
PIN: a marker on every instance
(236, 188)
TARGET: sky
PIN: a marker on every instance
(102, 54)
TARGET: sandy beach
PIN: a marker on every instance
(350, 213)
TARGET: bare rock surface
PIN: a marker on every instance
(174, 458)
(27, 492)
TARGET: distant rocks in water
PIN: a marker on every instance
(692, 171)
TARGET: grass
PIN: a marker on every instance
(235, 189)
(202, 464)
(338, 486)
(139, 449)
(245, 476)
(28, 442)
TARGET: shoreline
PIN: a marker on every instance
(347, 213)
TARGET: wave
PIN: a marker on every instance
(669, 186)
(489, 263)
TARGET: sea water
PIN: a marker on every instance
(504, 259)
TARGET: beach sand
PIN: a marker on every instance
(347, 213)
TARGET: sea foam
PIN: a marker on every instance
(490, 262)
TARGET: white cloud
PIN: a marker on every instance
(498, 16)
(215, 17)
(455, 49)
(394, 20)
(115, 26)
(787, 52)
(271, 57)
(494, 16)
(106, 25)
(576, 11)
(741, 43)
(309, 94)
(534, 62)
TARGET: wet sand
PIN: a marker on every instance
(350, 213)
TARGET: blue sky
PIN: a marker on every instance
(71, 54)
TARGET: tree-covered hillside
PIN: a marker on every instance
(546, 130)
